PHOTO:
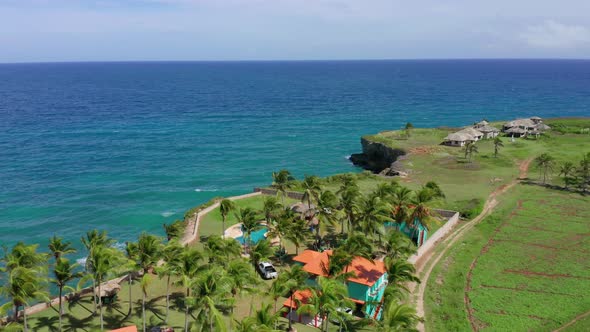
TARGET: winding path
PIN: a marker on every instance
(431, 259)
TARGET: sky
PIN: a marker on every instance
(128, 30)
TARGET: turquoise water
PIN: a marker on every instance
(255, 237)
(126, 147)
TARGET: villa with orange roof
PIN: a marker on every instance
(365, 287)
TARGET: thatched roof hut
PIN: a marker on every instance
(109, 289)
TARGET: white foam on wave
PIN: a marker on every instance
(205, 190)
(81, 261)
(118, 245)
(347, 157)
(167, 214)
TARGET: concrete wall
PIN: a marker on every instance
(453, 220)
(272, 192)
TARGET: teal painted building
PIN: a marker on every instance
(419, 235)
(365, 288)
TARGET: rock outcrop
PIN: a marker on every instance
(376, 156)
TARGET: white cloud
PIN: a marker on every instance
(552, 34)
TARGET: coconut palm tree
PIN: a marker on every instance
(311, 188)
(545, 163)
(22, 285)
(470, 149)
(221, 251)
(170, 267)
(295, 278)
(398, 318)
(373, 213)
(277, 289)
(94, 239)
(25, 277)
(298, 234)
(148, 250)
(397, 245)
(282, 181)
(435, 189)
(209, 289)
(349, 198)
(326, 212)
(399, 272)
(250, 223)
(326, 299)
(421, 214)
(271, 208)
(59, 247)
(567, 170)
(64, 273)
(261, 251)
(401, 200)
(497, 145)
(225, 207)
(583, 172)
(145, 282)
(265, 319)
(242, 278)
(188, 268)
(281, 225)
(103, 261)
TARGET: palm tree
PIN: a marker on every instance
(225, 207)
(144, 284)
(326, 299)
(265, 319)
(282, 181)
(281, 225)
(278, 288)
(567, 170)
(421, 213)
(174, 230)
(294, 278)
(349, 198)
(209, 290)
(470, 149)
(170, 267)
(545, 164)
(25, 277)
(21, 285)
(326, 212)
(311, 189)
(148, 251)
(94, 239)
(401, 200)
(59, 247)
(188, 268)
(270, 208)
(221, 251)
(497, 145)
(242, 278)
(399, 272)
(103, 261)
(64, 273)
(250, 223)
(261, 251)
(397, 245)
(373, 213)
(398, 318)
(408, 128)
(298, 233)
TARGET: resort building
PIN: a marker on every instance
(533, 126)
(365, 287)
(463, 136)
(417, 233)
(487, 130)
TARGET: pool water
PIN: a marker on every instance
(256, 236)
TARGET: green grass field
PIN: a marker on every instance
(524, 268)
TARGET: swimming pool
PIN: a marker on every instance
(256, 236)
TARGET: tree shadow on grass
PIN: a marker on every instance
(72, 323)
(150, 306)
(50, 323)
(76, 300)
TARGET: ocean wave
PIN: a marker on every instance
(167, 214)
(81, 261)
(205, 190)
(347, 157)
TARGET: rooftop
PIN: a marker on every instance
(365, 271)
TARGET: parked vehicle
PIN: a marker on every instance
(341, 311)
(267, 270)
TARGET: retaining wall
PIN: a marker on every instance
(452, 220)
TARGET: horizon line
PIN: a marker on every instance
(291, 60)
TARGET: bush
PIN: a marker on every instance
(198, 208)
(470, 208)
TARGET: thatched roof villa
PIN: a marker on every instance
(525, 127)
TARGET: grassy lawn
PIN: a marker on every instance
(530, 267)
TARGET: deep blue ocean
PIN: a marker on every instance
(126, 147)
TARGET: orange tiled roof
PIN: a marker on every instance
(302, 295)
(366, 273)
(131, 328)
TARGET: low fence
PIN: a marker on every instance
(452, 220)
(269, 191)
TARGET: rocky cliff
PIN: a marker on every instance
(376, 156)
